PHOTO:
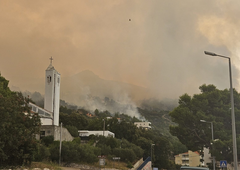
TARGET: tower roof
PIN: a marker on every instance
(50, 67)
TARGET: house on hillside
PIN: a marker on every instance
(84, 134)
(89, 115)
(144, 125)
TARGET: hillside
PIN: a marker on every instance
(77, 89)
(152, 110)
(159, 119)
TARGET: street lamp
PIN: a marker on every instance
(103, 126)
(152, 154)
(204, 121)
(232, 110)
(60, 147)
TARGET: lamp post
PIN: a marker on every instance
(212, 139)
(232, 110)
(60, 147)
(152, 154)
(103, 126)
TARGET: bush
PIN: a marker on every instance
(54, 151)
(47, 140)
(88, 154)
(128, 155)
(129, 165)
(73, 152)
(41, 153)
(105, 150)
(125, 154)
(72, 130)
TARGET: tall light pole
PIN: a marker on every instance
(103, 126)
(152, 154)
(212, 139)
(60, 147)
(232, 110)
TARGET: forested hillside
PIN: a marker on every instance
(130, 143)
(166, 146)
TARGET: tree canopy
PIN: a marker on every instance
(211, 105)
(17, 127)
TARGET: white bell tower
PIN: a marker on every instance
(52, 92)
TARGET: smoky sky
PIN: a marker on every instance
(155, 44)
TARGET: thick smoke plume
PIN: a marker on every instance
(160, 48)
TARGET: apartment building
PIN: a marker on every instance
(189, 159)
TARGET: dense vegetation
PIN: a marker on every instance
(18, 145)
(211, 105)
(130, 143)
(17, 128)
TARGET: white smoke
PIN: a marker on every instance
(119, 102)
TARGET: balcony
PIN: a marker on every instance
(185, 158)
(185, 164)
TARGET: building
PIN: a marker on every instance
(49, 115)
(145, 125)
(46, 116)
(206, 156)
(189, 159)
(84, 134)
(52, 92)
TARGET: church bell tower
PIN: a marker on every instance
(52, 92)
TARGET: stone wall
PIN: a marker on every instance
(51, 130)
(66, 136)
(137, 164)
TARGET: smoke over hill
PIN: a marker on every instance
(87, 90)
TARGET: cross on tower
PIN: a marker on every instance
(51, 59)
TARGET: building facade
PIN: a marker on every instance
(188, 159)
(56, 131)
(145, 125)
(46, 116)
(52, 92)
(86, 133)
(49, 115)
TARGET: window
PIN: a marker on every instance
(49, 79)
(40, 112)
(47, 114)
(34, 109)
(42, 134)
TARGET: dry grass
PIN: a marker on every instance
(43, 165)
(113, 164)
(52, 166)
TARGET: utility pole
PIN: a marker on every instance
(152, 155)
(60, 148)
(103, 126)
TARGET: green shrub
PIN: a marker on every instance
(73, 152)
(72, 130)
(41, 153)
(105, 150)
(125, 154)
(129, 165)
(47, 140)
(54, 151)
